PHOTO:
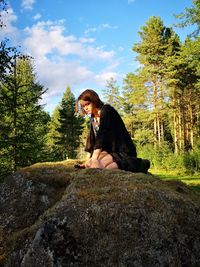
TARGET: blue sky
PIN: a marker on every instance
(83, 43)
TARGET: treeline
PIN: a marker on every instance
(165, 88)
(28, 134)
(159, 104)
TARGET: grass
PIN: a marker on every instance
(192, 180)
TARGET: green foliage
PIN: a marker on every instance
(66, 128)
(191, 16)
(149, 86)
(5, 160)
(143, 136)
(165, 159)
(161, 99)
(156, 155)
(151, 49)
(81, 153)
(111, 94)
(159, 104)
(195, 153)
(53, 135)
(135, 103)
(23, 121)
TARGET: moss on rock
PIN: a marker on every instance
(60, 216)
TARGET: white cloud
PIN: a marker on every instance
(8, 19)
(37, 16)
(48, 37)
(99, 28)
(61, 59)
(64, 60)
(87, 40)
(57, 75)
(103, 77)
(27, 4)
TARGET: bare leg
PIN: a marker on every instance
(112, 165)
(104, 161)
(107, 161)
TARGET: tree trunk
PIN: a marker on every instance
(15, 118)
(162, 131)
(161, 111)
(155, 104)
(191, 122)
(158, 130)
(176, 150)
(180, 127)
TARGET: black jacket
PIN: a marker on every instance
(112, 135)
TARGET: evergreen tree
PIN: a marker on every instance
(137, 114)
(21, 113)
(111, 94)
(181, 77)
(169, 77)
(191, 16)
(70, 128)
(189, 94)
(55, 153)
(152, 51)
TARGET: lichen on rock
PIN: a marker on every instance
(60, 216)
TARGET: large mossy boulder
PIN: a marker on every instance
(55, 215)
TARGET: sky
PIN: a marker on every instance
(83, 43)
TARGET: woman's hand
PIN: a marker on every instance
(93, 163)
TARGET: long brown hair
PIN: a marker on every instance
(91, 96)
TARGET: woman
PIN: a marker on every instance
(108, 142)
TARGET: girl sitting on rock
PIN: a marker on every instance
(108, 142)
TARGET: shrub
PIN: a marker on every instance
(164, 158)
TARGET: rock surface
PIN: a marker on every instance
(55, 215)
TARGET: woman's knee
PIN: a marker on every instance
(112, 165)
(107, 160)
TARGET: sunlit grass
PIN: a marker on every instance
(192, 180)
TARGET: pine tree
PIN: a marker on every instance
(189, 94)
(70, 127)
(191, 16)
(137, 115)
(171, 77)
(155, 43)
(112, 95)
(170, 73)
(55, 153)
(23, 124)
(21, 114)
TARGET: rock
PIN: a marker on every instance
(59, 216)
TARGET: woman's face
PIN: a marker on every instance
(87, 106)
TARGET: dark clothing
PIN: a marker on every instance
(113, 138)
(127, 162)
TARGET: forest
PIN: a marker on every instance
(159, 103)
